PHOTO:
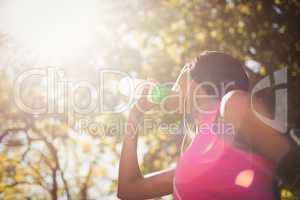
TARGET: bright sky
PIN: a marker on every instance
(53, 32)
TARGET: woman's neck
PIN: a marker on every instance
(205, 108)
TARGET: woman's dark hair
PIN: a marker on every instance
(219, 71)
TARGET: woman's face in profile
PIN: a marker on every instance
(186, 88)
(181, 84)
(189, 91)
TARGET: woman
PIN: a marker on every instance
(217, 164)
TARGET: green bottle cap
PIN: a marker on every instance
(158, 93)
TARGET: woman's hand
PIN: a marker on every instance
(141, 106)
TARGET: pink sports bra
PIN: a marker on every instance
(212, 169)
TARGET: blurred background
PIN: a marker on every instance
(47, 154)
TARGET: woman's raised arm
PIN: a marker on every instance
(132, 184)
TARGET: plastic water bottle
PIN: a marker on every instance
(133, 88)
(158, 93)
